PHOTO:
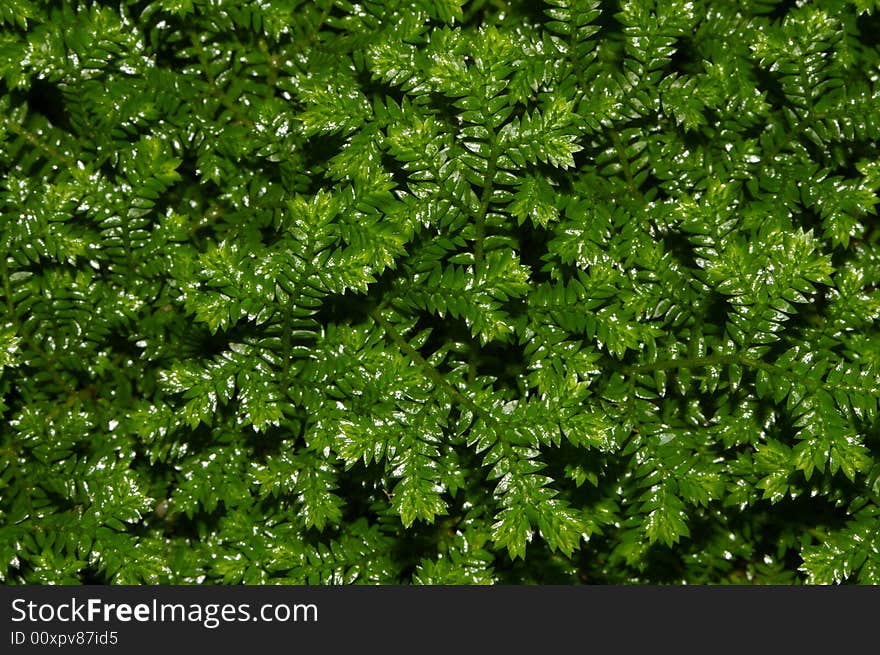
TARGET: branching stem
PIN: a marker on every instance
(429, 370)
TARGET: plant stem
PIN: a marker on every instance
(429, 370)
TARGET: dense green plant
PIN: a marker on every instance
(439, 291)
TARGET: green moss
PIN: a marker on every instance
(439, 292)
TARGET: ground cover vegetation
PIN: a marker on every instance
(439, 291)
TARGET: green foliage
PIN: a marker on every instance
(439, 292)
